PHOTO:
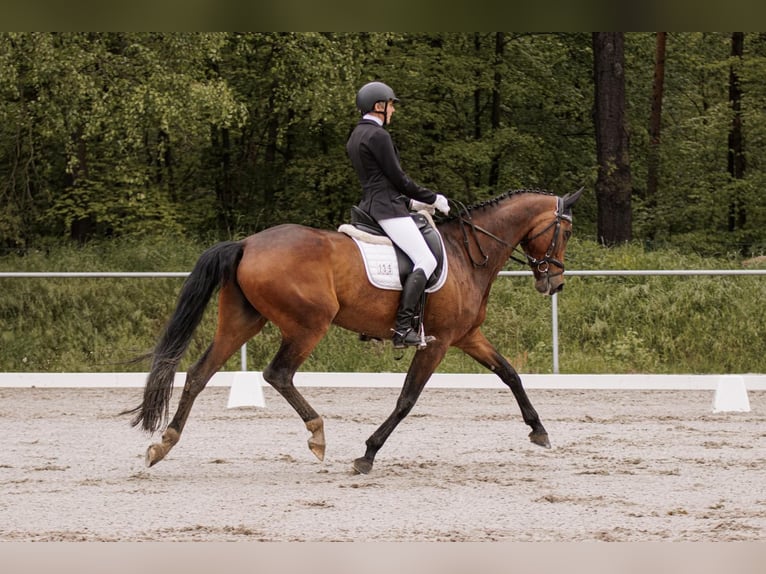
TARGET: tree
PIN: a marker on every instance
(736, 155)
(102, 125)
(655, 126)
(613, 186)
(288, 162)
(224, 134)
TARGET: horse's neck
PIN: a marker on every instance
(512, 218)
(475, 238)
(500, 227)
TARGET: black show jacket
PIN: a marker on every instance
(386, 189)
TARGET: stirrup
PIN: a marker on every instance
(410, 338)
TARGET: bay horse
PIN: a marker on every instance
(304, 279)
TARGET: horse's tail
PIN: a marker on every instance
(215, 267)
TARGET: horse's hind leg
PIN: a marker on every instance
(295, 349)
(237, 323)
(477, 346)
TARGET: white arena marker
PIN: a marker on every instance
(246, 390)
(731, 395)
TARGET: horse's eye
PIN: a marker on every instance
(567, 234)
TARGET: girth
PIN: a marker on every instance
(364, 222)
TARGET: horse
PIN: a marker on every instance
(303, 280)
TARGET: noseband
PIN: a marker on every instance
(543, 265)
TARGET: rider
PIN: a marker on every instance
(387, 193)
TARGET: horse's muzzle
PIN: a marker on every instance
(549, 284)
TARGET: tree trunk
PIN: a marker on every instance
(736, 159)
(477, 111)
(81, 228)
(613, 186)
(494, 169)
(655, 125)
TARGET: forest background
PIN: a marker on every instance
(223, 134)
(137, 149)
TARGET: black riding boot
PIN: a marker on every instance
(405, 333)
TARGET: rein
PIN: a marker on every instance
(464, 219)
(543, 265)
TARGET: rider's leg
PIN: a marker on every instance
(405, 234)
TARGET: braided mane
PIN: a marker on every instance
(494, 201)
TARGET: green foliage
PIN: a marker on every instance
(657, 324)
(696, 191)
(221, 134)
(100, 127)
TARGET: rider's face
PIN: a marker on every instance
(389, 111)
(379, 106)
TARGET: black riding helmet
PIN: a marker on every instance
(373, 92)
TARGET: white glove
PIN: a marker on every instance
(441, 204)
(416, 205)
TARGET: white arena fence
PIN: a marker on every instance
(752, 381)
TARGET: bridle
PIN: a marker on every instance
(543, 265)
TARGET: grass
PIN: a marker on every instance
(656, 324)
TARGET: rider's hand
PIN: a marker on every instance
(416, 205)
(441, 204)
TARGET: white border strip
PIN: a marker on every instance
(753, 382)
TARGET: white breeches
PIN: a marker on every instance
(405, 234)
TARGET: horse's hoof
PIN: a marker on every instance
(362, 466)
(316, 440)
(154, 454)
(540, 439)
(317, 449)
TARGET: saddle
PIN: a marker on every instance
(362, 221)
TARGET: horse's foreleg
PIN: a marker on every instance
(477, 346)
(421, 369)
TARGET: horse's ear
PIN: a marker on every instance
(571, 199)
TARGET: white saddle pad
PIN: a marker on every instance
(380, 260)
